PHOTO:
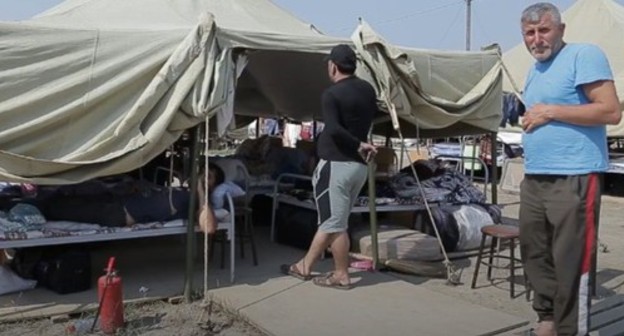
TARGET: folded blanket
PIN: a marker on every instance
(9, 226)
(146, 226)
(22, 235)
(70, 226)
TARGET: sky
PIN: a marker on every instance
(429, 24)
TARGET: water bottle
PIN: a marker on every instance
(80, 327)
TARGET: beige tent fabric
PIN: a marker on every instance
(82, 96)
(259, 16)
(99, 87)
(79, 104)
(599, 22)
(434, 90)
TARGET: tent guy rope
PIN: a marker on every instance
(452, 274)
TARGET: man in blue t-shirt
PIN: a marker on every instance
(570, 97)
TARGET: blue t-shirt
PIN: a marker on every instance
(559, 148)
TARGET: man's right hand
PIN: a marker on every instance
(367, 151)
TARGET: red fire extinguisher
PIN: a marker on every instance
(110, 296)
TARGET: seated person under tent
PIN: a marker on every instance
(130, 202)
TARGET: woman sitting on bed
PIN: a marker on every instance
(218, 188)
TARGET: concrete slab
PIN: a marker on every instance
(378, 305)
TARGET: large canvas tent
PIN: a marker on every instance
(600, 22)
(99, 87)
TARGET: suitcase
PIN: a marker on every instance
(295, 226)
(65, 272)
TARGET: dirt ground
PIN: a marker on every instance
(152, 319)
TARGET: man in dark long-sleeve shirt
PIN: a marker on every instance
(348, 109)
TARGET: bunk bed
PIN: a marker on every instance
(279, 197)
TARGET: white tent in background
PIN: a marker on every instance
(99, 87)
(600, 22)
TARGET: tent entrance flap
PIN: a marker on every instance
(282, 83)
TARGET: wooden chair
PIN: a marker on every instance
(499, 233)
(386, 161)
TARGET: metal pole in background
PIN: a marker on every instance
(190, 229)
(468, 24)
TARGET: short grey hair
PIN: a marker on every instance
(536, 11)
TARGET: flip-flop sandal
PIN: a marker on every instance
(294, 272)
(328, 280)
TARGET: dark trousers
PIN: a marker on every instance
(104, 210)
(558, 232)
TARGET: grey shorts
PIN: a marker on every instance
(336, 187)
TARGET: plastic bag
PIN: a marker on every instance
(11, 283)
(470, 219)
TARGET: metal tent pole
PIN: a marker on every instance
(494, 156)
(373, 213)
(473, 158)
(190, 229)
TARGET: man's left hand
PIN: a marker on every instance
(537, 116)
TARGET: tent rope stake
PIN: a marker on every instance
(452, 274)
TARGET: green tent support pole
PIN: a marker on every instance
(190, 229)
(373, 214)
(494, 149)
